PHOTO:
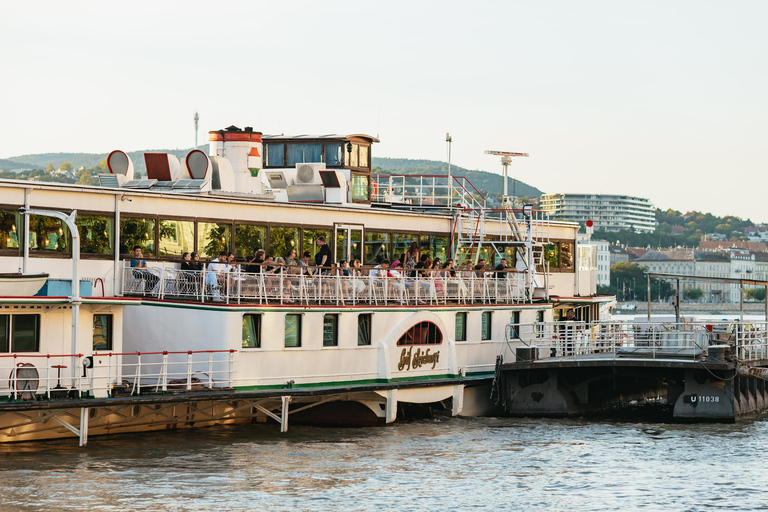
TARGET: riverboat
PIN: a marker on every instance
(147, 347)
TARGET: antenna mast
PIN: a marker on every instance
(197, 118)
(506, 159)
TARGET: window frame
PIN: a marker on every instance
(299, 317)
(462, 314)
(369, 328)
(110, 338)
(486, 336)
(335, 332)
(9, 333)
(258, 330)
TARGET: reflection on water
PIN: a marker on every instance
(446, 464)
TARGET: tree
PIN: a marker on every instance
(86, 177)
(757, 294)
(693, 293)
(50, 169)
(66, 166)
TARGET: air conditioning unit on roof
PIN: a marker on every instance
(309, 173)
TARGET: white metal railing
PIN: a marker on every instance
(748, 341)
(426, 191)
(48, 376)
(294, 286)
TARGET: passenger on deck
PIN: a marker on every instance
(501, 269)
(304, 263)
(196, 264)
(323, 256)
(480, 268)
(411, 259)
(290, 258)
(186, 261)
(254, 265)
(215, 275)
(380, 270)
(141, 271)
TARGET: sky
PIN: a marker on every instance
(666, 100)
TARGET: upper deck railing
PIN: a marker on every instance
(296, 285)
(686, 340)
(426, 191)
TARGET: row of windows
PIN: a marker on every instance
(21, 333)
(424, 333)
(280, 154)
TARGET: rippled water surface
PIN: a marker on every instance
(430, 465)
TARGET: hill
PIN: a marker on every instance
(7, 165)
(488, 183)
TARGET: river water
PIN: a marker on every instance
(426, 465)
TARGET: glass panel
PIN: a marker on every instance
(485, 333)
(342, 240)
(346, 156)
(213, 238)
(4, 322)
(461, 327)
(95, 234)
(310, 239)
(10, 229)
(330, 330)
(282, 239)
(376, 247)
(102, 332)
(139, 232)
(423, 333)
(401, 241)
(251, 331)
(248, 238)
(333, 154)
(292, 330)
(25, 335)
(353, 161)
(566, 255)
(275, 155)
(363, 158)
(360, 184)
(301, 153)
(356, 251)
(48, 234)
(364, 329)
(551, 255)
(176, 237)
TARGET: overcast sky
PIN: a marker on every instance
(660, 99)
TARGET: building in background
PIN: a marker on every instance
(602, 261)
(608, 212)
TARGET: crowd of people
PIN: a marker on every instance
(412, 270)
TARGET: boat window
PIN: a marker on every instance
(251, 331)
(333, 154)
(423, 333)
(302, 153)
(515, 324)
(485, 329)
(310, 239)
(282, 239)
(434, 246)
(48, 234)
(376, 247)
(360, 187)
(10, 227)
(102, 332)
(136, 231)
(249, 237)
(461, 326)
(96, 233)
(20, 333)
(353, 160)
(176, 237)
(364, 329)
(331, 330)
(363, 156)
(293, 330)
(212, 238)
(559, 255)
(401, 241)
(275, 155)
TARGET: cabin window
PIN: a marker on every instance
(376, 247)
(364, 329)
(485, 328)
(303, 153)
(96, 234)
(423, 333)
(401, 243)
(19, 333)
(363, 156)
(10, 229)
(540, 323)
(176, 237)
(292, 330)
(136, 231)
(275, 155)
(249, 237)
(102, 332)
(331, 330)
(461, 326)
(252, 331)
(361, 187)
(212, 238)
(48, 234)
(514, 329)
(282, 239)
(333, 154)
(434, 246)
(559, 255)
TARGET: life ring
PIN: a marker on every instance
(374, 190)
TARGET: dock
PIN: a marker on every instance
(703, 372)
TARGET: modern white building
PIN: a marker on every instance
(603, 259)
(608, 212)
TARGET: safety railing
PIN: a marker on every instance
(426, 191)
(305, 285)
(686, 340)
(103, 374)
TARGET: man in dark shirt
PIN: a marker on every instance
(323, 256)
(500, 269)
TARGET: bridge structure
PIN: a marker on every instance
(700, 371)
